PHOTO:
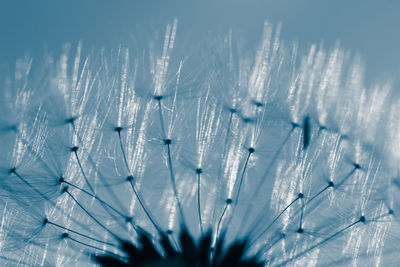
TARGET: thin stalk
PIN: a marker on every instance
(272, 223)
(251, 151)
(144, 207)
(90, 215)
(94, 247)
(172, 176)
(80, 234)
(222, 161)
(265, 175)
(228, 202)
(75, 150)
(322, 242)
(31, 186)
(198, 201)
(170, 166)
(103, 203)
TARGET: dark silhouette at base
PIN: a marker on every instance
(189, 253)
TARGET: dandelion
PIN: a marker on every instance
(270, 158)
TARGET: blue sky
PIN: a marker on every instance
(366, 27)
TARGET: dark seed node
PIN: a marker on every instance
(70, 120)
(169, 232)
(13, 128)
(247, 120)
(295, 125)
(64, 235)
(167, 141)
(258, 104)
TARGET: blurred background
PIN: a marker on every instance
(365, 27)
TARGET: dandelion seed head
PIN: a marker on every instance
(291, 151)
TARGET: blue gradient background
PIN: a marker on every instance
(366, 27)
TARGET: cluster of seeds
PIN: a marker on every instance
(291, 154)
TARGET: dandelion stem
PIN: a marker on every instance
(161, 117)
(118, 130)
(330, 184)
(356, 167)
(71, 121)
(90, 215)
(278, 152)
(242, 176)
(144, 207)
(172, 176)
(306, 132)
(251, 151)
(43, 196)
(32, 187)
(106, 184)
(228, 202)
(75, 150)
(319, 193)
(376, 219)
(102, 202)
(198, 171)
(272, 223)
(223, 157)
(274, 159)
(170, 166)
(94, 247)
(80, 234)
(171, 237)
(322, 242)
(301, 216)
(265, 176)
